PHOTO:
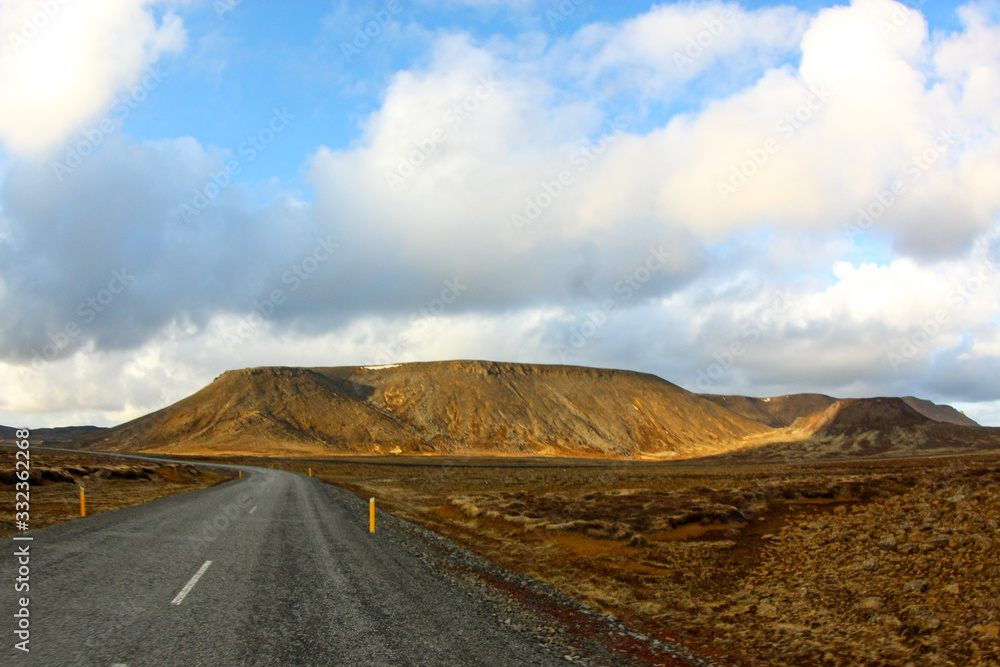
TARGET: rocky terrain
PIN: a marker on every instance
(777, 412)
(870, 428)
(884, 562)
(480, 408)
(781, 411)
(912, 579)
(461, 407)
(795, 530)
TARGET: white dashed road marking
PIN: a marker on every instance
(189, 585)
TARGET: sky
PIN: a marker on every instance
(752, 198)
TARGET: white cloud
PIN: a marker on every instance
(480, 132)
(800, 148)
(673, 43)
(62, 67)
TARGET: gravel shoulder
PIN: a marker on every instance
(889, 562)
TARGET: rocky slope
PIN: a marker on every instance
(870, 427)
(940, 413)
(455, 407)
(481, 408)
(778, 411)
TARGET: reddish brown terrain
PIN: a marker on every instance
(477, 408)
(794, 530)
(56, 479)
(442, 408)
(885, 562)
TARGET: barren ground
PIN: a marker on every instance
(110, 484)
(868, 562)
(888, 562)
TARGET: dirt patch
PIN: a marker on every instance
(110, 484)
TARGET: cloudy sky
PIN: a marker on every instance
(744, 198)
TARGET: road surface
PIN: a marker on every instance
(275, 569)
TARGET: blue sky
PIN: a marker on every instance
(258, 55)
(630, 185)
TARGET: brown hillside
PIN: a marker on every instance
(49, 436)
(867, 427)
(454, 407)
(781, 411)
(778, 411)
(939, 413)
(862, 415)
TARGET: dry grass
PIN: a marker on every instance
(110, 484)
(887, 562)
(874, 562)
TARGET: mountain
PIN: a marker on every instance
(940, 413)
(482, 408)
(870, 427)
(777, 412)
(780, 411)
(450, 407)
(49, 436)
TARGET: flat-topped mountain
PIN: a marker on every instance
(450, 407)
(483, 408)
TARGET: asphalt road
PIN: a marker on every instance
(295, 578)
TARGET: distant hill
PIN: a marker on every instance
(780, 411)
(776, 412)
(939, 413)
(482, 408)
(49, 436)
(453, 407)
(871, 427)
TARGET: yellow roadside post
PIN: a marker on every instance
(371, 515)
(310, 472)
(83, 504)
(241, 474)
